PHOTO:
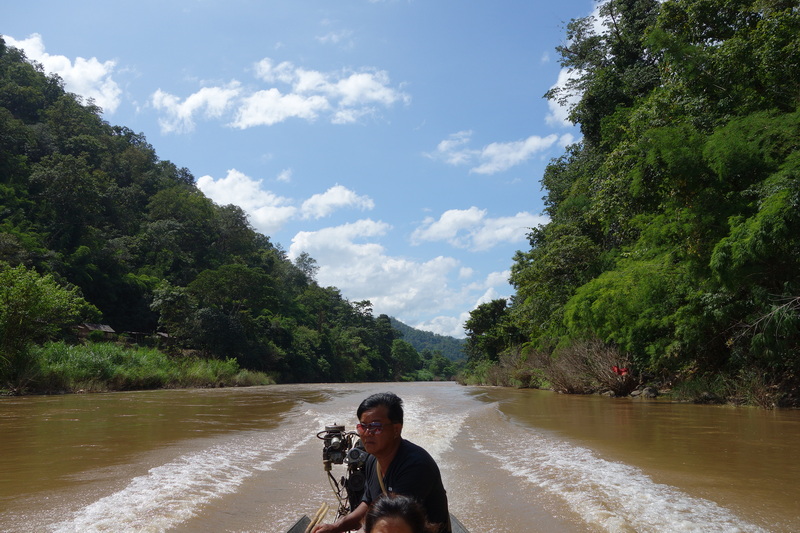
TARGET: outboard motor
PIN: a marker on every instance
(344, 447)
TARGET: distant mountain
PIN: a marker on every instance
(450, 347)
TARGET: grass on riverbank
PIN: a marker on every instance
(97, 367)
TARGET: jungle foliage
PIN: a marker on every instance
(95, 227)
(674, 232)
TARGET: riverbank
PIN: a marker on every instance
(594, 370)
(58, 367)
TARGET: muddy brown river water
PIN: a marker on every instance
(248, 460)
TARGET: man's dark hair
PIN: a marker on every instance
(397, 506)
(390, 400)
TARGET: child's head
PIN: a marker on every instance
(396, 514)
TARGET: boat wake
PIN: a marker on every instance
(172, 493)
(610, 495)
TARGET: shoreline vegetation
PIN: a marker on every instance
(593, 367)
(59, 367)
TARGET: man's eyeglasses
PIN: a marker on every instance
(374, 428)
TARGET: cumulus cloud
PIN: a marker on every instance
(349, 95)
(471, 229)
(449, 226)
(211, 102)
(89, 78)
(265, 108)
(352, 259)
(293, 92)
(495, 157)
(494, 286)
(322, 205)
(451, 326)
(267, 211)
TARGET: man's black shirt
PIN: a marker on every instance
(414, 473)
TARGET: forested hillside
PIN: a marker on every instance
(673, 247)
(451, 348)
(89, 207)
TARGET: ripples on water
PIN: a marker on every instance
(548, 481)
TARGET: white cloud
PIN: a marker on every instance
(268, 212)
(453, 326)
(450, 326)
(429, 294)
(496, 279)
(449, 225)
(211, 102)
(498, 157)
(285, 176)
(471, 229)
(266, 108)
(453, 150)
(351, 260)
(89, 78)
(493, 158)
(505, 229)
(366, 88)
(345, 97)
(267, 71)
(350, 95)
(322, 205)
(466, 273)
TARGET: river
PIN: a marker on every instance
(248, 460)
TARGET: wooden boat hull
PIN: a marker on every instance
(303, 523)
(300, 526)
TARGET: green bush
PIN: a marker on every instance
(701, 389)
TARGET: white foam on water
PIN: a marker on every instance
(171, 493)
(613, 496)
(425, 425)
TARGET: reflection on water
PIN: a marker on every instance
(247, 460)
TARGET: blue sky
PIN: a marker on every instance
(401, 143)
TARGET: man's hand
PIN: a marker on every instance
(325, 528)
(350, 522)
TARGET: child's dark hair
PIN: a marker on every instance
(398, 506)
(390, 400)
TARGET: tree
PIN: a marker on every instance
(308, 266)
(612, 68)
(489, 331)
(33, 309)
(404, 358)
